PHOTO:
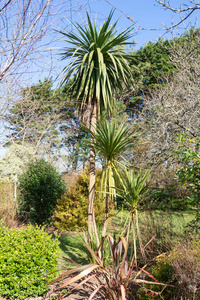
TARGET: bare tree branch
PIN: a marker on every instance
(175, 107)
(183, 9)
(5, 5)
(126, 15)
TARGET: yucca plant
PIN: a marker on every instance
(112, 141)
(111, 282)
(131, 187)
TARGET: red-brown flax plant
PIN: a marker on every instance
(110, 281)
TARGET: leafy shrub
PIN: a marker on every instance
(71, 212)
(40, 186)
(72, 209)
(27, 257)
(165, 274)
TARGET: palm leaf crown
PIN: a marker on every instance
(100, 64)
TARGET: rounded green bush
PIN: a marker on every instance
(28, 259)
(40, 186)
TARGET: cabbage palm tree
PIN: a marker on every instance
(99, 67)
(132, 186)
(112, 141)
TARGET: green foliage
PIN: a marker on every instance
(153, 64)
(72, 209)
(132, 187)
(71, 212)
(188, 155)
(40, 186)
(41, 117)
(28, 256)
(164, 199)
(163, 269)
(38, 105)
(112, 141)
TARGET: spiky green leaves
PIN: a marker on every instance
(100, 64)
(112, 142)
(133, 186)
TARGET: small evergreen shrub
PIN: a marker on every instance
(72, 209)
(40, 186)
(28, 258)
(71, 212)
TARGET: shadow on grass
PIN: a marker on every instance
(73, 249)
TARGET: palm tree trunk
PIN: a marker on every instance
(139, 236)
(106, 209)
(132, 226)
(92, 228)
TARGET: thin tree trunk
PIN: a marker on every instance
(132, 226)
(75, 152)
(92, 228)
(139, 236)
(106, 209)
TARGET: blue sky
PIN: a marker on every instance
(149, 19)
(148, 15)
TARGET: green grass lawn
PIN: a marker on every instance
(167, 226)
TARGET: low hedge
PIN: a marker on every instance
(28, 261)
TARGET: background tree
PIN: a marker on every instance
(173, 107)
(21, 32)
(27, 40)
(100, 67)
(13, 163)
(150, 66)
(44, 118)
